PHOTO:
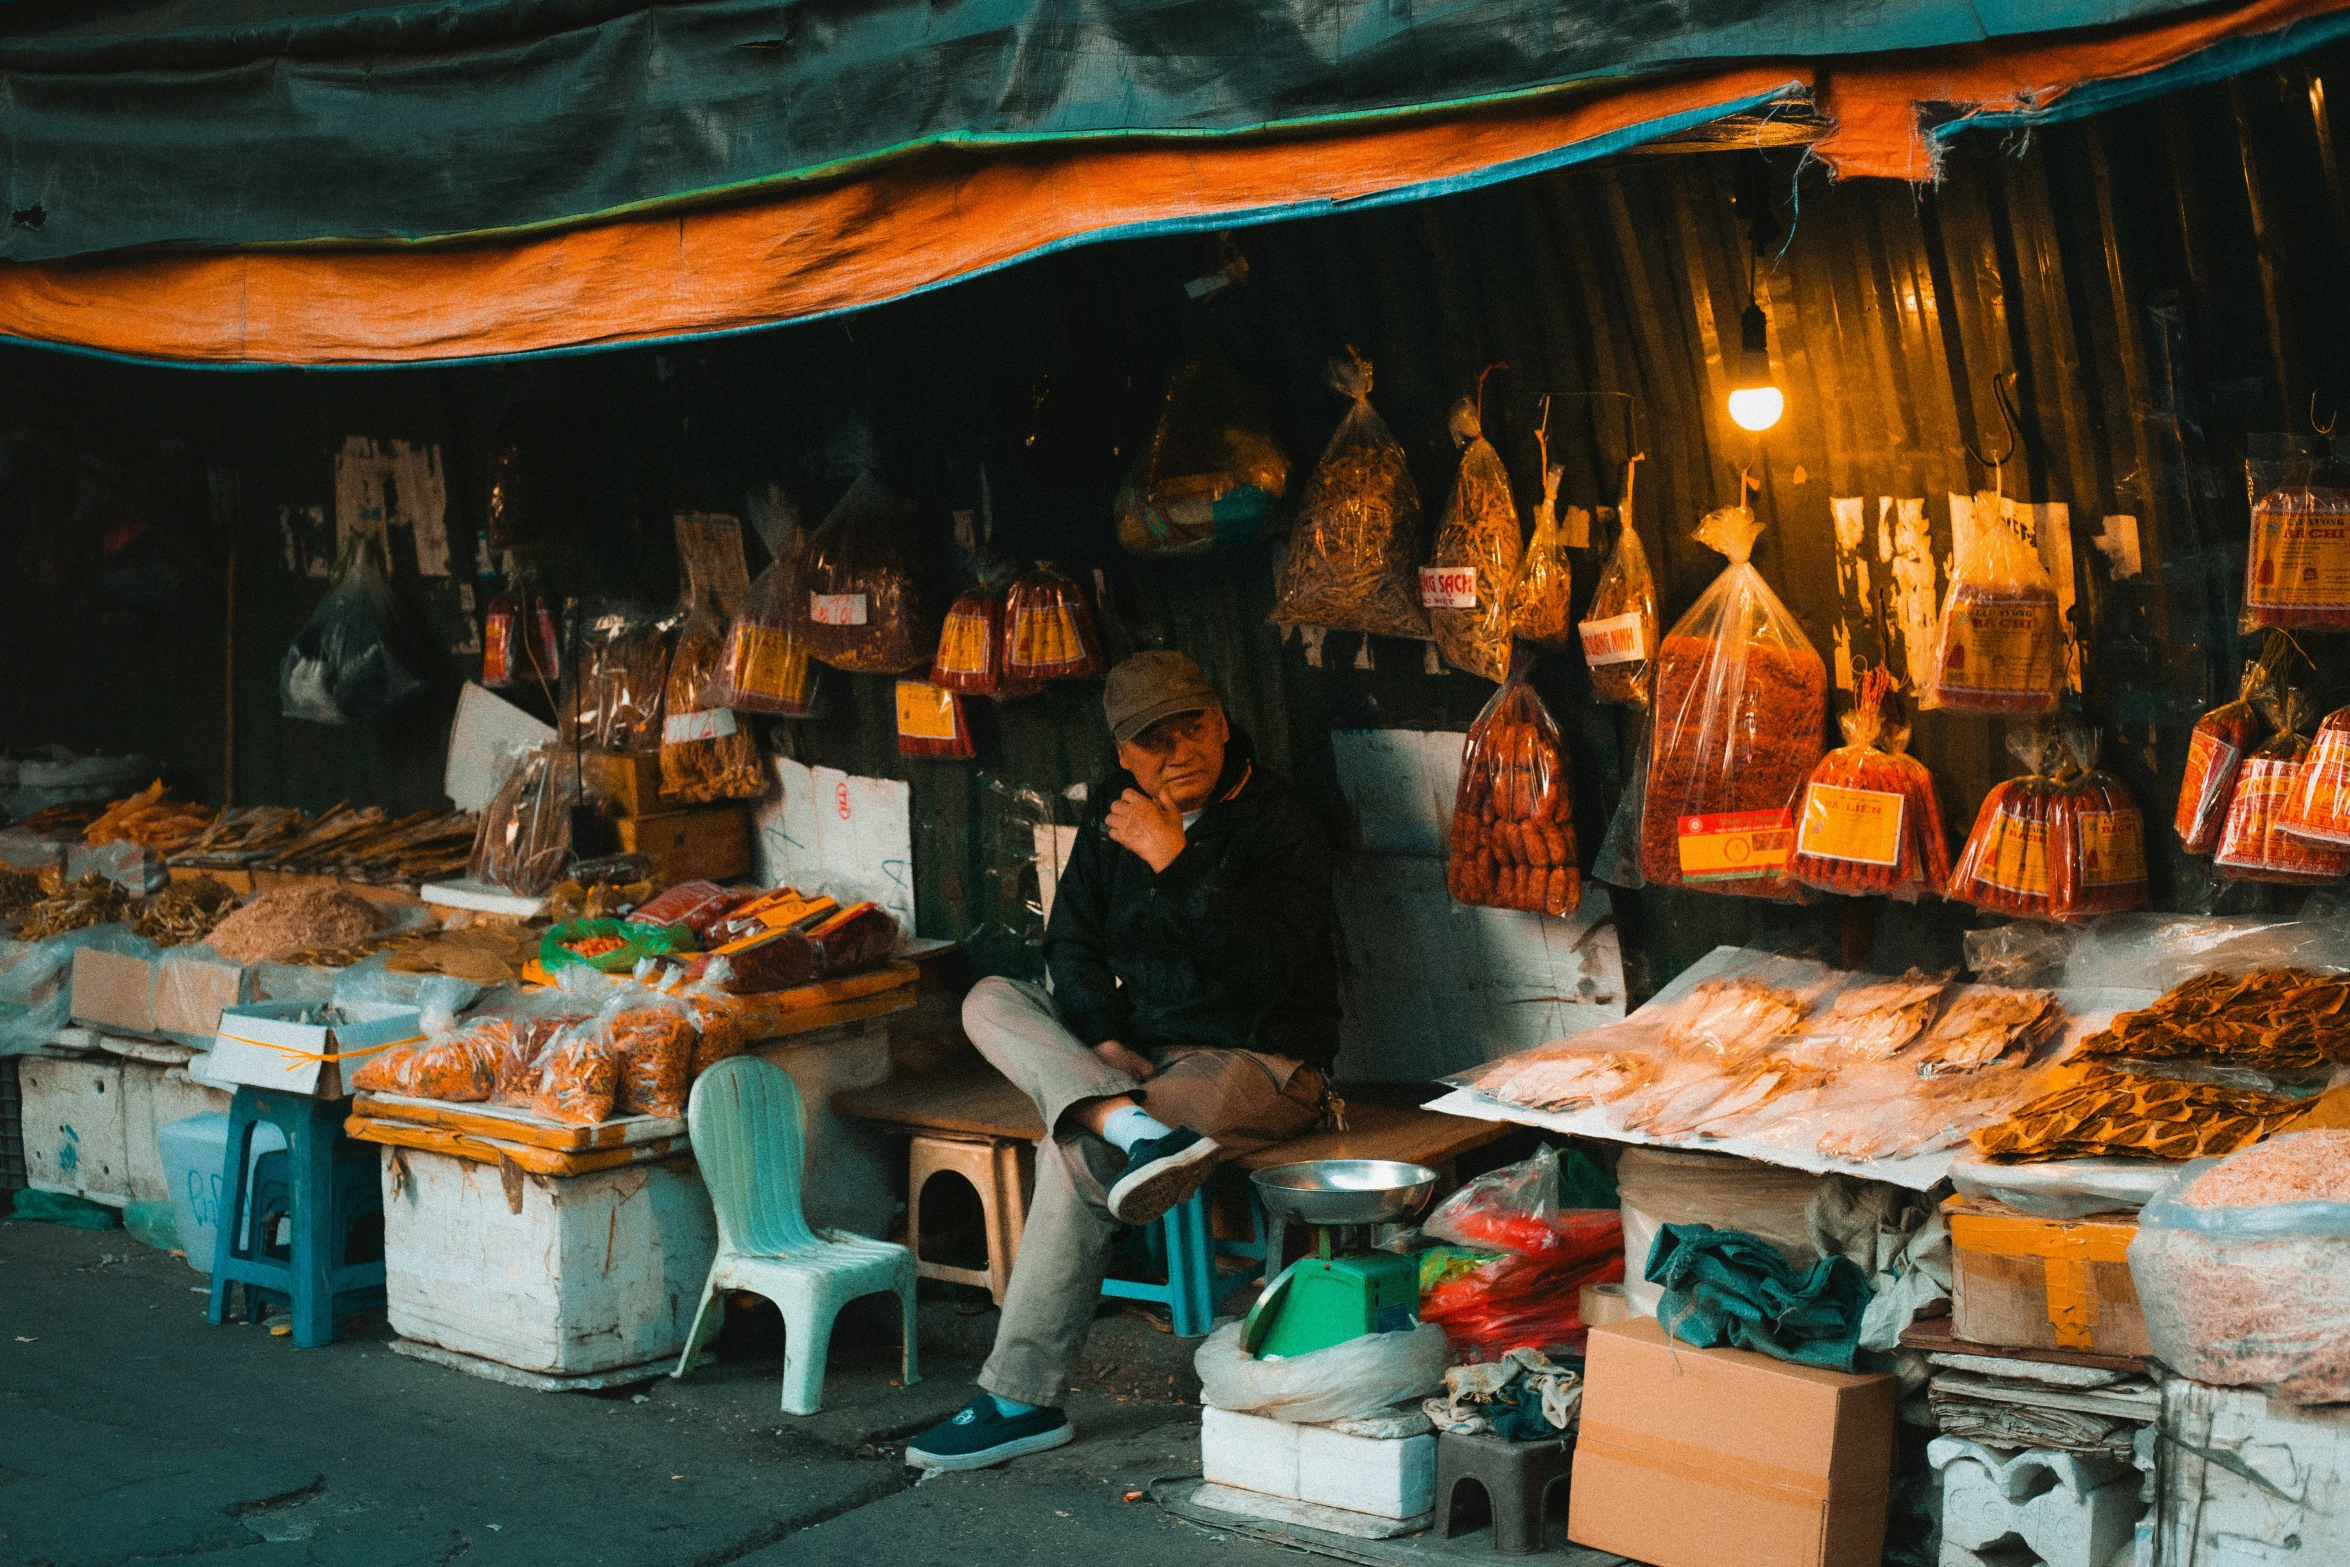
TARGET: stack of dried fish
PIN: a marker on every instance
(1874, 1022)
(361, 845)
(1707, 1106)
(238, 838)
(1731, 1017)
(185, 911)
(1986, 1025)
(151, 818)
(2108, 1112)
(2270, 1020)
(1562, 1077)
(93, 900)
(72, 816)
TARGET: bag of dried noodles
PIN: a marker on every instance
(1353, 558)
(1213, 473)
(1868, 820)
(1541, 608)
(1466, 588)
(2062, 842)
(1513, 827)
(2255, 844)
(1997, 649)
(1619, 625)
(1740, 696)
(766, 668)
(705, 754)
(871, 608)
(1048, 630)
(2216, 749)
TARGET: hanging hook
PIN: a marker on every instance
(2002, 387)
(2327, 428)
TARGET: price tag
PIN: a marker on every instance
(1860, 825)
(837, 609)
(1615, 640)
(1736, 846)
(714, 723)
(1448, 587)
(925, 711)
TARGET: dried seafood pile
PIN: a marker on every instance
(72, 816)
(293, 920)
(1988, 1026)
(2108, 1112)
(93, 900)
(1875, 1022)
(19, 891)
(151, 818)
(361, 845)
(239, 837)
(185, 911)
(2270, 1020)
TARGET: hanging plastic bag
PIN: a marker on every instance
(523, 838)
(355, 656)
(1868, 820)
(932, 722)
(1619, 626)
(1999, 646)
(871, 609)
(1513, 826)
(1353, 559)
(2062, 842)
(519, 643)
(2253, 844)
(2318, 811)
(1739, 699)
(1213, 472)
(615, 699)
(705, 753)
(2216, 749)
(971, 644)
(2298, 573)
(1466, 587)
(1541, 601)
(1048, 630)
(766, 668)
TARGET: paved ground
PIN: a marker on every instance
(133, 1433)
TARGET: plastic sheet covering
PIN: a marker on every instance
(1360, 1376)
(2065, 1188)
(2247, 1296)
(36, 989)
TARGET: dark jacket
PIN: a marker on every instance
(1230, 945)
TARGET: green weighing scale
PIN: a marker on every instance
(1346, 1287)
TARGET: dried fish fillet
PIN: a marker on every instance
(1988, 1024)
(1874, 1022)
(1563, 1079)
(1732, 1017)
(1744, 1096)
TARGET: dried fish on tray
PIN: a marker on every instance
(1713, 1109)
(1922, 1118)
(362, 846)
(1874, 1022)
(1731, 1017)
(2273, 1020)
(1561, 1077)
(1987, 1024)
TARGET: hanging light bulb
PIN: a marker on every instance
(1755, 400)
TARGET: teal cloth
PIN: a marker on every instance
(77, 1213)
(1729, 1288)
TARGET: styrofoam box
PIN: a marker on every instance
(75, 1132)
(195, 1160)
(2243, 1472)
(596, 1272)
(1388, 1477)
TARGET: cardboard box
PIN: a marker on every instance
(114, 991)
(265, 1046)
(700, 843)
(191, 993)
(174, 996)
(623, 785)
(2036, 1283)
(1701, 1457)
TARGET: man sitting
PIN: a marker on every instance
(1193, 1013)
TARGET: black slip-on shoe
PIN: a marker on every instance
(982, 1434)
(1161, 1173)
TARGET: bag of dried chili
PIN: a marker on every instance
(2063, 842)
(1513, 827)
(2217, 746)
(1998, 645)
(1353, 558)
(2319, 810)
(1739, 698)
(2254, 845)
(1466, 587)
(1868, 820)
(1619, 626)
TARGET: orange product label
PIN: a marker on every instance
(1614, 640)
(925, 711)
(1736, 846)
(2211, 767)
(2255, 838)
(1860, 825)
(963, 646)
(2113, 847)
(2321, 797)
(2021, 863)
(2300, 559)
(1996, 647)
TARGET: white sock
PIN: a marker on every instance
(1011, 1408)
(1131, 1124)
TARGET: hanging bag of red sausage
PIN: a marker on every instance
(1513, 827)
(2062, 842)
(932, 722)
(2217, 748)
(1868, 820)
(2254, 845)
(1740, 694)
(1048, 630)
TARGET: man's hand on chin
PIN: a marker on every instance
(1121, 1059)
(1152, 828)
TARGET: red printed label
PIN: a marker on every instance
(1448, 587)
(1736, 846)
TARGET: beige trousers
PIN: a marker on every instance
(1241, 1099)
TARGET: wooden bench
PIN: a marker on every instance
(978, 1126)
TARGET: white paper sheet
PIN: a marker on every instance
(833, 832)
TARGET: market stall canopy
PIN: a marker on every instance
(313, 183)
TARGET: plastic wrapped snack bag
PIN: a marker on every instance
(1212, 473)
(2319, 810)
(1353, 558)
(933, 722)
(1999, 646)
(2298, 572)
(706, 754)
(1466, 587)
(1868, 820)
(870, 604)
(2214, 751)
(2254, 844)
(1542, 599)
(1513, 826)
(1048, 630)
(1619, 626)
(1739, 699)
(766, 667)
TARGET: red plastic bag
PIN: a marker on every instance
(1519, 1302)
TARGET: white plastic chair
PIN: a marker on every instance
(748, 1136)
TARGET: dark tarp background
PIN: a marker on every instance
(2161, 280)
(131, 124)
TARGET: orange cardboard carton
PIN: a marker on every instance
(1707, 1457)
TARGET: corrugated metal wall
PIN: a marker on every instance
(2159, 281)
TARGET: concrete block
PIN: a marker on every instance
(2243, 1471)
(2004, 1508)
(75, 1131)
(1249, 1452)
(1389, 1477)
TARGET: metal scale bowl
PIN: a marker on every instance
(1345, 1288)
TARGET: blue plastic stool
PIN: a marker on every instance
(358, 1195)
(1184, 1247)
(316, 1280)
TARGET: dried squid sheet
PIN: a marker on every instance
(1729, 1099)
(1873, 1022)
(1987, 1024)
(2108, 1112)
(1917, 1118)
(1562, 1077)
(1733, 1018)
(2273, 1020)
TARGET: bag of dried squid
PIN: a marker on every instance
(1513, 825)
(1466, 587)
(1541, 601)
(1353, 559)
(1740, 696)
(1868, 820)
